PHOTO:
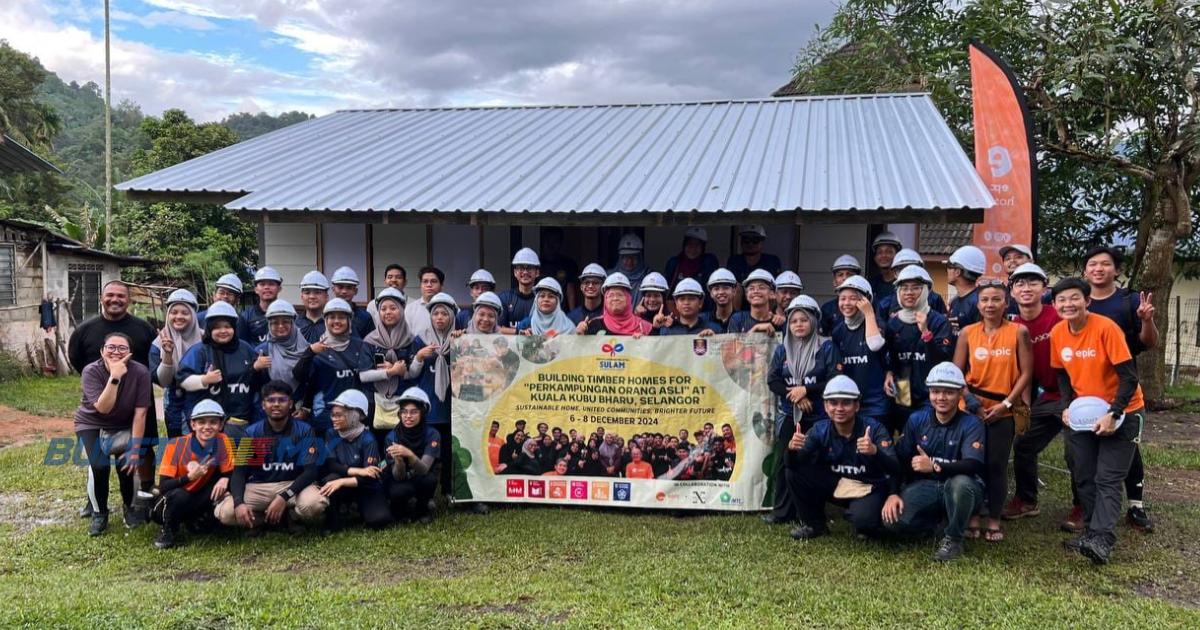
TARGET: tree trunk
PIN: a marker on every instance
(1158, 277)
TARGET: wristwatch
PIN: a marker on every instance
(114, 381)
(1007, 403)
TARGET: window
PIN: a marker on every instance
(8, 275)
(83, 283)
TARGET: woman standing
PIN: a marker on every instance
(618, 318)
(432, 364)
(547, 317)
(997, 357)
(221, 368)
(353, 466)
(918, 338)
(412, 452)
(391, 343)
(855, 348)
(180, 333)
(279, 354)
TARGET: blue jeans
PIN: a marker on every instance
(927, 501)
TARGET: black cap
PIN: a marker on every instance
(1117, 256)
(1071, 283)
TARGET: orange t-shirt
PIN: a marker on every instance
(179, 454)
(639, 470)
(992, 362)
(1089, 356)
(494, 445)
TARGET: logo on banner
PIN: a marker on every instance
(537, 489)
(621, 491)
(600, 490)
(558, 489)
(700, 347)
(613, 349)
(999, 160)
(699, 497)
(515, 487)
(579, 490)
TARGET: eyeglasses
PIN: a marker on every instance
(988, 283)
(116, 349)
(410, 412)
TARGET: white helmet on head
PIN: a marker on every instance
(352, 399)
(947, 375)
(182, 296)
(220, 309)
(789, 280)
(208, 408)
(337, 305)
(1030, 269)
(314, 280)
(803, 302)
(548, 284)
(759, 275)
(391, 293)
(526, 257)
(970, 258)
(721, 276)
(416, 395)
(231, 282)
(592, 270)
(842, 386)
(846, 261)
(906, 257)
(913, 272)
(1016, 247)
(267, 274)
(630, 244)
(489, 299)
(689, 286)
(886, 238)
(442, 299)
(696, 232)
(345, 275)
(281, 308)
(481, 275)
(752, 230)
(858, 283)
(616, 280)
(654, 281)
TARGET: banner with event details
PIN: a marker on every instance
(676, 422)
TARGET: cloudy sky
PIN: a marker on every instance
(214, 57)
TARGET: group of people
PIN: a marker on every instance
(704, 454)
(333, 371)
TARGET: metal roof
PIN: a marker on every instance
(16, 158)
(870, 152)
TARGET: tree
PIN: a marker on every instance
(1113, 89)
(189, 238)
(248, 126)
(22, 116)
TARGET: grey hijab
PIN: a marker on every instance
(801, 352)
(354, 425)
(285, 352)
(441, 365)
(389, 340)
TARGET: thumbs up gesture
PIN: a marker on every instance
(921, 462)
(865, 445)
(797, 441)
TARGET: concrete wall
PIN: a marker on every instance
(291, 248)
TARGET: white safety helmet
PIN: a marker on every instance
(630, 244)
(721, 276)
(345, 275)
(803, 302)
(391, 293)
(548, 284)
(526, 257)
(886, 238)
(654, 281)
(267, 274)
(616, 280)
(208, 408)
(1016, 247)
(842, 386)
(858, 283)
(182, 296)
(759, 275)
(846, 261)
(220, 309)
(337, 305)
(970, 258)
(789, 280)
(689, 286)
(696, 232)
(752, 230)
(1030, 269)
(415, 395)
(945, 374)
(481, 275)
(231, 282)
(592, 270)
(444, 299)
(907, 257)
(913, 272)
(281, 308)
(487, 298)
(314, 280)
(352, 399)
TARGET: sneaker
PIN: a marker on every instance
(1095, 549)
(773, 519)
(1074, 522)
(133, 517)
(165, 540)
(1018, 508)
(99, 524)
(948, 550)
(1139, 520)
(1072, 544)
(808, 532)
(86, 510)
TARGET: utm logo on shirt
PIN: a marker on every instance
(515, 487)
(600, 491)
(537, 489)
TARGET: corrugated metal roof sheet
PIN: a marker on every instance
(828, 153)
(16, 158)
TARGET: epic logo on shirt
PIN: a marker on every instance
(982, 353)
(1066, 354)
(516, 487)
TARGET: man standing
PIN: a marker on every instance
(592, 306)
(752, 239)
(722, 288)
(314, 294)
(85, 346)
(517, 301)
(883, 251)
(252, 322)
(345, 286)
(1092, 359)
(963, 269)
(1134, 314)
(229, 290)
(416, 313)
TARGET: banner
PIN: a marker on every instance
(1004, 157)
(674, 422)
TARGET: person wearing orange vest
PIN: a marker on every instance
(1092, 358)
(997, 357)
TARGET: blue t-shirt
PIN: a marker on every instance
(740, 268)
(911, 358)
(515, 306)
(960, 439)
(238, 390)
(718, 325)
(742, 322)
(1121, 307)
(579, 313)
(280, 456)
(964, 311)
(679, 328)
(825, 447)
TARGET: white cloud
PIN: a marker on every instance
(172, 19)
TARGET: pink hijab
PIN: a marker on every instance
(626, 323)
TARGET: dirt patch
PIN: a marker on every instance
(195, 576)
(421, 568)
(1172, 428)
(1174, 486)
(20, 427)
(26, 511)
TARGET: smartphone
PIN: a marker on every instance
(379, 358)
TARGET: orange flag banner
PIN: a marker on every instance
(1004, 157)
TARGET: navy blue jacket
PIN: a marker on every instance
(831, 316)
(958, 446)
(740, 268)
(515, 306)
(173, 396)
(343, 455)
(719, 326)
(825, 447)
(238, 390)
(290, 455)
(679, 328)
(324, 376)
(310, 330)
(252, 326)
(742, 321)
(911, 358)
(579, 313)
(361, 322)
(964, 311)
(779, 379)
(847, 353)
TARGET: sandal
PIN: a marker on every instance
(971, 533)
(994, 535)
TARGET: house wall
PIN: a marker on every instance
(291, 248)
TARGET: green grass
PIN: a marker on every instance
(42, 396)
(1172, 456)
(536, 567)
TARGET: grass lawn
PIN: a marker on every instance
(539, 566)
(42, 396)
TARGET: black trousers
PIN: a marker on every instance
(178, 506)
(813, 486)
(410, 497)
(785, 502)
(999, 444)
(372, 505)
(446, 460)
(99, 466)
(1101, 465)
(1136, 478)
(1045, 423)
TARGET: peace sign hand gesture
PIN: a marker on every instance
(1145, 310)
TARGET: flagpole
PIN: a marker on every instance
(107, 134)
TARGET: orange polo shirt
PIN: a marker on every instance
(1089, 356)
(639, 470)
